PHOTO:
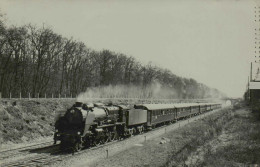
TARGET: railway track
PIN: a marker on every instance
(56, 156)
(44, 160)
(22, 150)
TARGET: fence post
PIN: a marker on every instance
(59, 95)
(45, 95)
(65, 96)
(29, 96)
(38, 95)
(107, 152)
(20, 95)
(52, 95)
(10, 95)
(0, 95)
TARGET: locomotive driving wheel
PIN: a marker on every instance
(114, 135)
(141, 129)
(78, 146)
(131, 131)
(109, 136)
(96, 142)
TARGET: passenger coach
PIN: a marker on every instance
(166, 113)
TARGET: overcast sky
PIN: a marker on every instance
(210, 41)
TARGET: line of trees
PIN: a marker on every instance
(38, 60)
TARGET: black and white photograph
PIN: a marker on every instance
(130, 83)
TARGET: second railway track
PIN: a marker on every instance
(20, 150)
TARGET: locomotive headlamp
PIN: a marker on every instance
(78, 133)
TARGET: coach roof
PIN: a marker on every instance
(165, 106)
(155, 106)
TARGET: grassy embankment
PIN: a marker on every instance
(229, 140)
(25, 120)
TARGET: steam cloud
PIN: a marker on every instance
(152, 91)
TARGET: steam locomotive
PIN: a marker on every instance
(86, 125)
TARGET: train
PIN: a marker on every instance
(85, 125)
